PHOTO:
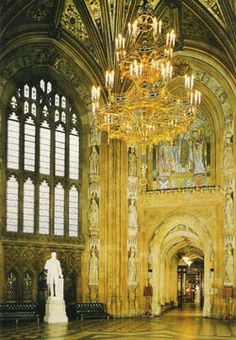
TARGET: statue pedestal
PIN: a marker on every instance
(55, 311)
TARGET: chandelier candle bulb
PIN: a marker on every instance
(154, 26)
(192, 81)
(134, 28)
(191, 98)
(167, 38)
(187, 81)
(117, 56)
(160, 26)
(131, 70)
(95, 93)
(196, 97)
(171, 70)
(129, 28)
(140, 68)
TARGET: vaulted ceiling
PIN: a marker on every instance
(87, 28)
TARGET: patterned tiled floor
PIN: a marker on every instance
(177, 324)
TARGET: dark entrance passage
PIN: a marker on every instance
(191, 285)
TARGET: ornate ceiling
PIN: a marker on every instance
(87, 28)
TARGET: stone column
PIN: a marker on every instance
(228, 219)
(113, 228)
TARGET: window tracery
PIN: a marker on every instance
(42, 161)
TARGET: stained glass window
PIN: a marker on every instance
(44, 208)
(29, 136)
(43, 146)
(60, 151)
(73, 211)
(12, 204)
(28, 211)
(13, 135)
(74, 154)
(59, 210)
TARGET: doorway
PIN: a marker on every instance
(191, 285)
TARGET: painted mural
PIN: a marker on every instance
(186, 162)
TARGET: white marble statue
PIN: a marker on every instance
(93, 214)
(132, 163)
(229, 209)
(229, 265)
(93, 268)
(55, 309)
(54, 276)
(132, 270)
(132, 215)
(94, 161)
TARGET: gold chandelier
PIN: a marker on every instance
(147, 112)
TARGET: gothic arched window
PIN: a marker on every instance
(42, 161)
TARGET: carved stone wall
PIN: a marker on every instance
(26, 263)
(132, 191)
(93, 212)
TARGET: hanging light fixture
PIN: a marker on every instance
(147, 112)
(186, 258)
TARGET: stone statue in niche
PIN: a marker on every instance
(94, 161)
(54, 276)
(229, 208)
(181, 154)
(228, 153)
(132, 187)
(93, 267)
(132, 269)
(229, 265)
(94, 137)
(165, 159)
(132, 162)
(94, 189)
(199, 153)
(132, 215)
(93, 214)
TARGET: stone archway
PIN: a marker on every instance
(172, 236)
